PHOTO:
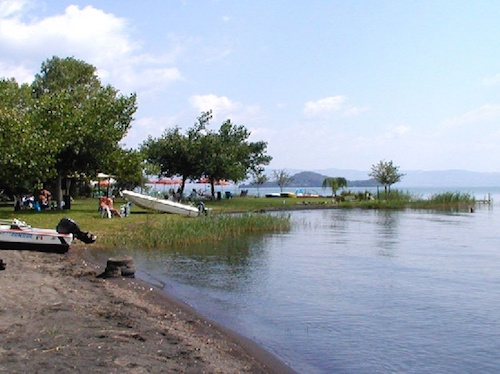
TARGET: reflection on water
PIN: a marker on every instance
(354, 291)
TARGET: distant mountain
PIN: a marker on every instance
(313, 179)
(419, 178)
(307, 179)
(412, 178)
(449, 178)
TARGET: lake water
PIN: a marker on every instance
(354, 291)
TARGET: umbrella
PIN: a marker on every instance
(165, 181)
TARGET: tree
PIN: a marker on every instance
(225, 154)
(259, 178)
(229, 155)
(25, 156)
(386, 174)
(334, 184)
(84, 120)
(282, 178)
(179, 154)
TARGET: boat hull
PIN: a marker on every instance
(42, 240)
(161, 205)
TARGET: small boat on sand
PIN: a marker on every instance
(161, 205)
(16, 234)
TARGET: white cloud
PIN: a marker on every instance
(218, 104)
(12, 7)
(326, 105)
(20, 72)
(329, 105)
(484, 114)
(88, 33)
(224, 108)
(493, 80)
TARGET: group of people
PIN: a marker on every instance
(39, 201)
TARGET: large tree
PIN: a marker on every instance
(26, 153)
(178, 154)
(386, 173)
(227, 154)
(224, 154)
(84, 119)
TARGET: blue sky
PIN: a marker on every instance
(327, 84)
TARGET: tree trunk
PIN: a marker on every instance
(59, 194)
(212, 188)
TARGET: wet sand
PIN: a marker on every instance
(57, 315)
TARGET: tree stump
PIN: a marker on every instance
(119, 267)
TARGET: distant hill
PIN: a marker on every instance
(436, 178)
(412, 178)
(313, 179)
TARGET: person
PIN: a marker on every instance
(193, 195)
(106, 207)
(44, 199)
(109, 202)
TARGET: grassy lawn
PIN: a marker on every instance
(148, 229)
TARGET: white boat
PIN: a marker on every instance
(16, 234)
(161, 205)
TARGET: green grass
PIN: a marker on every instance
(147, 229)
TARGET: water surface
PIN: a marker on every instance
(354, 291)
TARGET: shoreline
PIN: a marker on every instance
(158, 295)
(56, 315)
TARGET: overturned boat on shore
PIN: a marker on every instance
(16, 234)
(161, 205)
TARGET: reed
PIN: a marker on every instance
(453, 198)
(173, 231)
(449, 200)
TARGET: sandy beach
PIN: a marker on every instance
(57, 315)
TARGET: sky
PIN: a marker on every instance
(327, 84)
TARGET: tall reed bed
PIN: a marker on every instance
(450, 200)
(173, 231)
(402, 200)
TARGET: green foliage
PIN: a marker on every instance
(225, 154)
(85, 119)
(25, 155)
(127, 168)
(65, 123)
(386, 173)
(174, 153)
(229, 155)
(334, 184)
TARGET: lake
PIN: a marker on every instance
(354, 291)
